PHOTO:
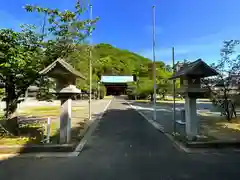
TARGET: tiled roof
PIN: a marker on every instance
(192, 69)
(65, 65)
(116, 79)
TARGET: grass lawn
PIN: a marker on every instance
(14, 140)
(34, 133)
(171, 99)
(45, 111)
(108, 97)
(220, 128)
(30, 134)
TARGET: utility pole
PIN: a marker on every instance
(174, 89)
(90, 69)
(154, 66)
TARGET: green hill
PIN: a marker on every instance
(109, 60)
(115, 61)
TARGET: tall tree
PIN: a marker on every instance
(23, 54)
(20, 61)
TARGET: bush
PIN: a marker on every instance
(131, 92)
(102, 92)
(2, 93)
(141, 91)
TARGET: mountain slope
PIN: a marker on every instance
(109, 60)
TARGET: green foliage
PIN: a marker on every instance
(106, 60)
(164, 85)
(227, 66)
(102, 92)
(45, 85)
(23, 54)
(114, 61)
(132, 91)
(140, 89)
(144, 88)
(20, 61)
(2, 93)
(66, 29)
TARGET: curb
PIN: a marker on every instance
(38, 155)
(43, 148)
(86, 134)
(161, 129)
(214, 144)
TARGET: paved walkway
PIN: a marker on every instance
(165, 112)
(97, 108)
(125, 147)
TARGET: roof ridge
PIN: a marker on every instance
(63, 63)
(190, 67)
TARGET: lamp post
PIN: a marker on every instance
(174, 92)
(90, 69)
(154, 67)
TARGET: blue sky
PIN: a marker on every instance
(196, 28)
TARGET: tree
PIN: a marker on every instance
(20, 61)
(66, 29)
(23, 54)
(1, 93)
(144, 87)
(69, 32)
(168, 68)
(164, 86)
(227, 66)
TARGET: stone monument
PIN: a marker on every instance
(190, 86)
(65, 76)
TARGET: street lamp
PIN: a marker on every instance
(154, 67)
(90, 69)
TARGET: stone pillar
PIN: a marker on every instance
(65, 121)
(191, 117)
(26, 95)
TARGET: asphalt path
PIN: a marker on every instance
(126, 147)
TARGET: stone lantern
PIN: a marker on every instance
(190, 86)
(65, 76)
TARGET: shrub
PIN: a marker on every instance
(102, 92)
